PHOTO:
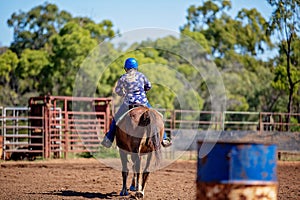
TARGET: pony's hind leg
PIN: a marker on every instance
(136, 169)
(141, 192)
(123, 155)
(133, 182)
(146, 172)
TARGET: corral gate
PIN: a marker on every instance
(16, 134)
(53, 126)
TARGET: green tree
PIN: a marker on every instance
(251, 34)
(51, 45)
(33, 29)
(8, 87)
(200, 17)
(246, 77)
(198, 37)
(30, 72)
(69, 49)
(235, 44)
(101, 31)
(280, 81)
(246, 34)
(180, 77)
(285, 24)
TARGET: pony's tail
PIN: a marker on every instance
(157, 151)
(155, 139)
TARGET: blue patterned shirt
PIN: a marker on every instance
(133, 86)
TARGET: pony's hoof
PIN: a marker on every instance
(124, 193)
(132, 188)
(139, 194)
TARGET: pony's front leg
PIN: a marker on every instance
(123, 155)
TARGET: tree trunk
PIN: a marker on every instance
(291, 84)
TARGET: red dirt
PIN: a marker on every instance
(90, 179)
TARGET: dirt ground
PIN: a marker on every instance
(90, 179)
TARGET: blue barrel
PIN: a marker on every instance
(235, 170)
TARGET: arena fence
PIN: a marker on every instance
(230, 120)
(56, 126)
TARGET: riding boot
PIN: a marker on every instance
(166, 141)
(110, 135)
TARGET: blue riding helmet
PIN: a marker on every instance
(131, 63)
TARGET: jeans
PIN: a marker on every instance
(113, 127)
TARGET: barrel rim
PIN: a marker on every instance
(245, 182)
(235, 142)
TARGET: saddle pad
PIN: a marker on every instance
(131, 110)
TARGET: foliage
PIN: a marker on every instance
(285, 24)
(70, 47)
(8, 62)
(33, 29)
(50, 45)
(31, 65)
(246, 34)
(54, 52)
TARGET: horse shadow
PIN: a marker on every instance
(88, 195)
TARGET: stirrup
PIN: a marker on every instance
(166, 142)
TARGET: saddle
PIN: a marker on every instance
(144, 118)
(130, 107)
(134, 106)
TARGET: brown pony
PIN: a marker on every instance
(139, 133)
